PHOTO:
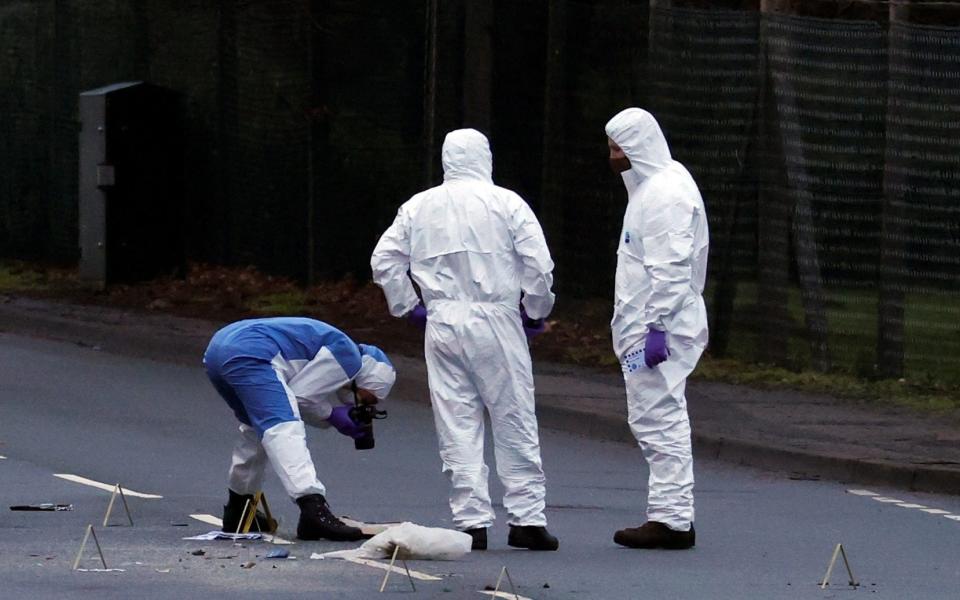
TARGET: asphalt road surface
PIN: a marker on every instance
(160, 429)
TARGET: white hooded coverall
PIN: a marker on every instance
(472, 247)
(661, 269)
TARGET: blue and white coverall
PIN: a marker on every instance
(276, 374)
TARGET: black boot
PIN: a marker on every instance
(233, 512)
(531, 537)
(479, 535)
(317, 522)
(653, 534)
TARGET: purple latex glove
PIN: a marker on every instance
(656, 351)
(531, 327)
(418, 316)
(340, 419)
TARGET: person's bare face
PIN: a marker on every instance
(618, 160)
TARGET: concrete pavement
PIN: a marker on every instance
(810, 436)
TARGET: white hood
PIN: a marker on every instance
(465, 242)
(466, 155)
(639, 136)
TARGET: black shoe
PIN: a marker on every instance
(479, 535)
(653, 534)
(317, 522)
(531, 537)
(233, 512)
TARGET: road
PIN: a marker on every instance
(160, 429)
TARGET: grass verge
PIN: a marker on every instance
(579, 328)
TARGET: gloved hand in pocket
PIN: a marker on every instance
(655, 351)
(418, 316)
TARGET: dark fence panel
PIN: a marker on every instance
(824, 136)
(706, 77)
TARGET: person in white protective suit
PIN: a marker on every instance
(659, 319)
(474, 249)
(277, 374)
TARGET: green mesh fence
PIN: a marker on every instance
(823, 135)
(302, 120)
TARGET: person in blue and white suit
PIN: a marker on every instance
(277, 374)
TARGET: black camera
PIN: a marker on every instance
(365, 414)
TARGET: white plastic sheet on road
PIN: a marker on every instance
(415, 542)
(367, 528)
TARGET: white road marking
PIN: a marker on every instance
(502, 594)
(218, 523)
(209, 519)
(378, 565)
(104, 486)
(902, 504)
(3, 457)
